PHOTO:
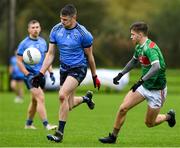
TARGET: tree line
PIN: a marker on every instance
(109, 22)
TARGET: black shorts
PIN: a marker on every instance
(79, 73)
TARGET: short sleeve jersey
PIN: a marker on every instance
(147, 54)
(71, 44)
(16, 72)
(38, 43)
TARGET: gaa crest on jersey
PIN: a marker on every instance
(75, 36)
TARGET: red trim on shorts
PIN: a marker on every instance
(162, 97)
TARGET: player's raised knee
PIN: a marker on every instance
(62, 97)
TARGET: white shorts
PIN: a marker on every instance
(155, 98)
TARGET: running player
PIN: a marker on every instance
(76, 52)
(150, 87)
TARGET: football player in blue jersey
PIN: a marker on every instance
(37, 100)
(16, 79)
(74, 42)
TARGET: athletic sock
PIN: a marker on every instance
(45, 122)
(61, 126)
(29, 122)
(115, 132)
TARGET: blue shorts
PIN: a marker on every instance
(17, 78)
(79, 73)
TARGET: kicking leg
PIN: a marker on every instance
(153, 118)
(131, 100)
(74, 101)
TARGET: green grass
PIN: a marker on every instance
(85, 126)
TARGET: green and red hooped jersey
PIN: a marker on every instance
(147, 54)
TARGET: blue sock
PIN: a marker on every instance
(29, 122)
(61, 126)
(45, 122)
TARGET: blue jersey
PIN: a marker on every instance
(71, 44)
(38, 43)
(16, 72)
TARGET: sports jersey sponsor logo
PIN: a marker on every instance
(144, 60)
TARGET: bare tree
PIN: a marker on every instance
(11, 24)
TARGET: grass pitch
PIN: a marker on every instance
(85, 126)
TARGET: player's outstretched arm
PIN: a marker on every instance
(130, 65)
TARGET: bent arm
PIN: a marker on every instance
(130, 65)
(48, 59)
(21, 65)
(152, 71)
(92, 65)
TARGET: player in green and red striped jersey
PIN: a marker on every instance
(150, 87)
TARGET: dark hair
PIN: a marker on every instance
(68, 10)
(139, 27)
(32, 22)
